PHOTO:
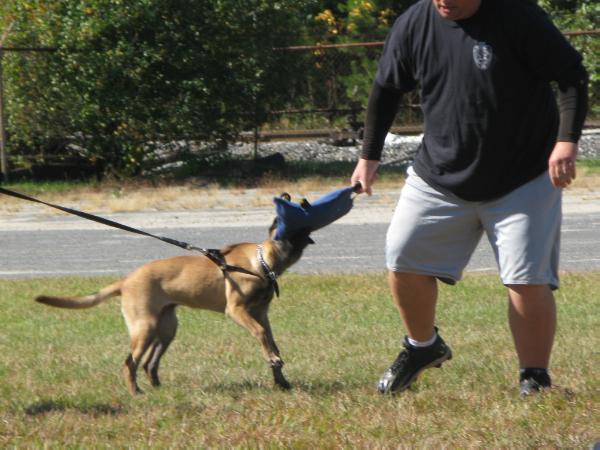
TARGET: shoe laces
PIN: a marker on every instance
(400, 360)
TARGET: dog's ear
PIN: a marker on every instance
(301, 238)
(306, 238)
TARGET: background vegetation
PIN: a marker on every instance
(128, 80)
(127, 74)
(61, 384)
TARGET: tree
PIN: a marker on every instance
(577, 15)
(370, 20)
(127, 74)
(352, 69)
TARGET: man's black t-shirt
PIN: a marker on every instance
(491, 118)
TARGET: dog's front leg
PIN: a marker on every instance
(262, 318)
(242, 317)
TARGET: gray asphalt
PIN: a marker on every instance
(340, 248)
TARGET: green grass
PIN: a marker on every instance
(306, 175)
(60, 373)
(593, 165)
(45, 187)
(228, 174)
(240, 175)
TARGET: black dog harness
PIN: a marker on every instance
(217, 257)
(214, 255)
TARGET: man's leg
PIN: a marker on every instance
(532, 319)
(415, 296)
(431, 236)
(523, 227)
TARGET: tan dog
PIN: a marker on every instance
(243, 291)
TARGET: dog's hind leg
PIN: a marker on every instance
(167, 328)
(143, 333)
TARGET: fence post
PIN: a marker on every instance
(3, 150)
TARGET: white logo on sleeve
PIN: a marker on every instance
(482, 55)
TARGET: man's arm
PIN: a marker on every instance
(381, 110)
(572, 102)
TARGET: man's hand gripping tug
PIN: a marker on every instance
(364, 175)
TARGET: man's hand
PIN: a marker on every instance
(561, 165)
(365, 173)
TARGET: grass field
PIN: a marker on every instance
(61, 387)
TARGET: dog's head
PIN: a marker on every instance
(292, 247)
(299, 238)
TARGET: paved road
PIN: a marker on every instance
(82, 248)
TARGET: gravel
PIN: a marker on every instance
(397, 150)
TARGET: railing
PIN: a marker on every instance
(333, 68)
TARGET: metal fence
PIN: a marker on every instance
(337, 80)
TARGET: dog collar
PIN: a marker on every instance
(267, 269)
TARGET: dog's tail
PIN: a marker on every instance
(82, 302)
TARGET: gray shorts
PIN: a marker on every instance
(435, 233)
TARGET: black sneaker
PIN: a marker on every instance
(533, 381)
(410, 363)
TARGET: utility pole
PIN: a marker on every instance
(3, 150)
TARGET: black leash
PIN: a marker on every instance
(213, 254)
(98, 219)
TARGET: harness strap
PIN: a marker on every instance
(216, 256)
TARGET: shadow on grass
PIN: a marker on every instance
(322, 387)
(228, 173)
(312, 387)
(48, 406)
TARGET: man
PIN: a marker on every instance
(495, 154)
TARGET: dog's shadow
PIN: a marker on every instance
(325, 387)
(235, 389)
(48, 406)
(320, 387)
